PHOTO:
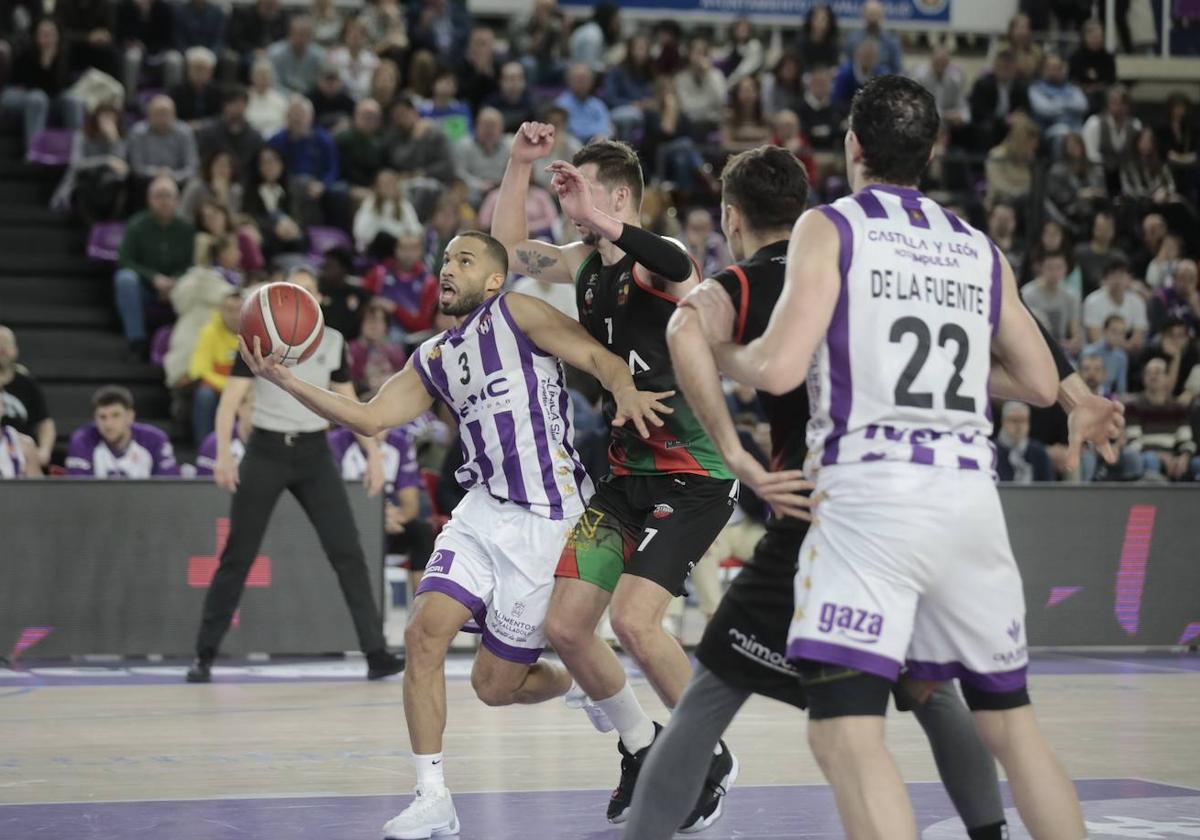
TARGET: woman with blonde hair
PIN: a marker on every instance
(1009, 165)
(385, 211)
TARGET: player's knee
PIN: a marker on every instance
(566, 634)
(843, 742)
(634, 631)
(492, 692)
(422, 646)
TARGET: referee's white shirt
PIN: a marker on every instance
(275, 410)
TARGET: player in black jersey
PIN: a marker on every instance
(743, 649)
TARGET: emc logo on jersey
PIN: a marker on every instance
(854, 624)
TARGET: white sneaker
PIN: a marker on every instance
(577, 698)
(428, 815)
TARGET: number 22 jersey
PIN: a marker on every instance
(902, 374)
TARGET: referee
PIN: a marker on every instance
(287, 450)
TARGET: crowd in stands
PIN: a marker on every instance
(246, 141)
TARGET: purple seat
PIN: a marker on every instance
(159, 344)
(104, 241)
(321, 239)
(50, 146)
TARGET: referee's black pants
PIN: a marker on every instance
(303, 465)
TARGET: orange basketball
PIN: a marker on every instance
(285, 318)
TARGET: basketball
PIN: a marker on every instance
(284, 317)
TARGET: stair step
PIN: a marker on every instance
(12, 146)
(19, 170)
(27, 192)
(27, 264)
(25, 215)
(77, 346)
(62, 316)
(56, 290)
(95, 371)
(38, 240)
(75, 399)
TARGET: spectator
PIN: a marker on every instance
(1178, 301)
(22, 403)
(212, 360)
(587, 115)
(256, 27)
(744, 57)
(1027, 53)
(1093, 256)
(197, 99)
(1058, 105)
(512, 99)
(856, 72)
(783, 87)
(214, 221)
(196, 298)
(666, 140)
(39, 83)
(1114, 298)
(342, 303)
(385, 85)
(629, 87)
(18, 455)
(1154, 231)
(145, 33)
(1129, 465)
(539, 39)
(1174, 345)
(354, 59)
(669, 54)
(266, 105)
(818, 44)
(1053, 304)
(206, 456)
(332, 105)
(115, 445)
(231, 132)
(1111, 347)
(444, 225)
(445, 110)
(155, 249)
(373, 359)
(566, 144)
(1158, 429)
(161, 145)
(95, 183)
(360, 149)
(590, 41)
(310, 161)
(889, 57)
(701, 89)
(823, 119)
(1092, 67)
(1110, 137)
(87, 29)
(217, 182)
(948, 86)
(199, 23)
(995, 96)
(405, 287)
(1053, 240)
(418, 146)
(440, 26)
(477, 73)
(386, 31)
(327, 22)
(705, 244)
(1009, 166)
(786, 133)
(481, 159)
(267, 201)
(1019, 458)
(298, 59)
(541, 214)
(1145, 178)
(1177, 139)
(1075, 187)
(1160, 269)
(743, 125)
(1094, 374)
(1002, 230)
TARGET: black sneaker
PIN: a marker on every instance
(201, 670)
(382, 664)
(722, 773)
(631, 766)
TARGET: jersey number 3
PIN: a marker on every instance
(950, 332)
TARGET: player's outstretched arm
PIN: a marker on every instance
(401, 399)
(778, 360)
(1028, 370)
(540, 260)
(698, 378)
(565, 338)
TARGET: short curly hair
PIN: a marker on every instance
(896, 122)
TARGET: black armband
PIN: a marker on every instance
(1065, 368)
(658, 255)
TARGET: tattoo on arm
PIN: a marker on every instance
(535, 263)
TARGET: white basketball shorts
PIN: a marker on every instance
(498, 559)
(911, 565)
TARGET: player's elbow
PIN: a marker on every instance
(682, 329)
(777, 377)
(1045, 392)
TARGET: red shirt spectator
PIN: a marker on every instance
(404, 287)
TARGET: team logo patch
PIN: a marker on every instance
(662, 511)
(440, 562)
(518, 609)
(435, 353)
(589, 296)
(485, 323)
(623, 294)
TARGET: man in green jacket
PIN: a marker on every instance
(157, 247)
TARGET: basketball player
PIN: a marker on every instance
(743, 649)
(498, 369)
(667, 498)
(908, 312)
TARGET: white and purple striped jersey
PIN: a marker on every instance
(12, 456)
(514, 411)
(148, 455)
(902, 374)
(400, 468)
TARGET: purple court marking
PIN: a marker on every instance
(29, 637)
(1058, 594)
(753, 813)
(1131, 576)
(1192, 631)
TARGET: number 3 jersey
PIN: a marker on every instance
(902, 374)
(515, 418)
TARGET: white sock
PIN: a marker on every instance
(630, 720)
(430, 775)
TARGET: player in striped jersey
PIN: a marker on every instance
(498, 369)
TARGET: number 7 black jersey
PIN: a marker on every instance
(902, 374)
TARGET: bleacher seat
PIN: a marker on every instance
(50, 147)
(321, 239)
(104, 241)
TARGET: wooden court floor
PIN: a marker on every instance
(318, 732)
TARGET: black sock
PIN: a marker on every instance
(995, 831)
